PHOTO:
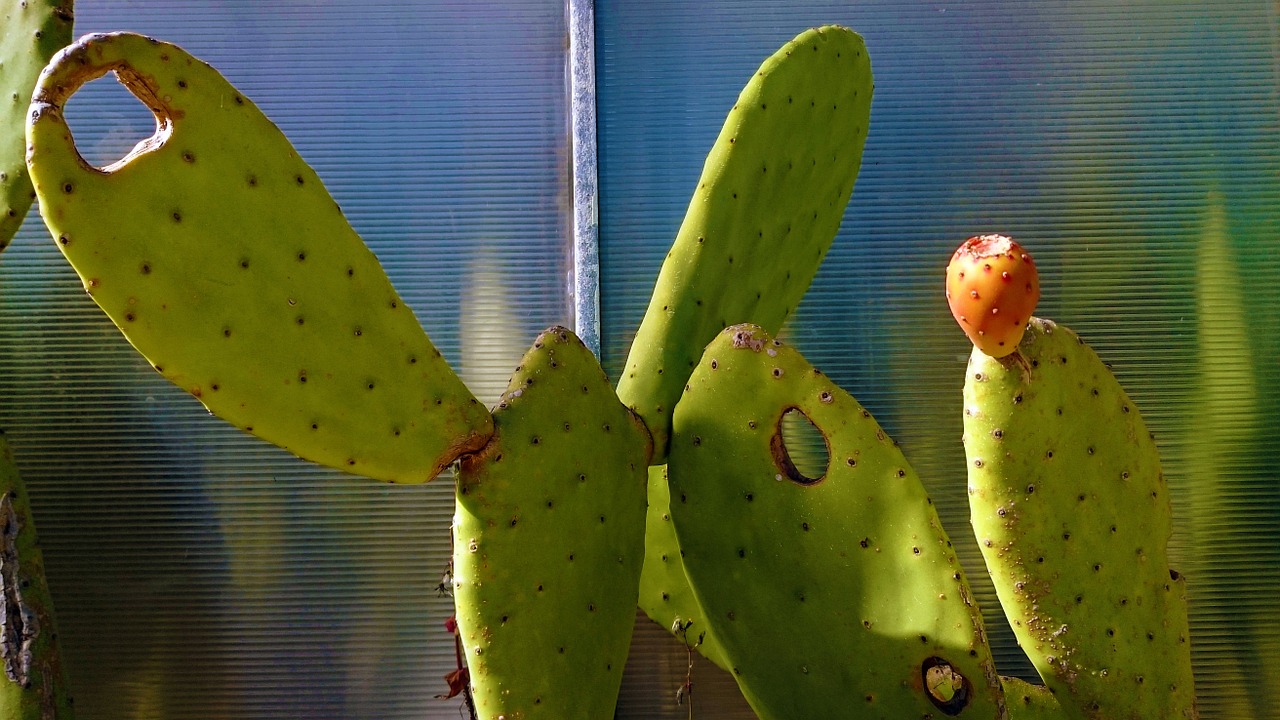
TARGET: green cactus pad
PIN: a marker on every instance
(768, 205)
(33, 31)
(1071, 511)
(33, 683)
(665, 595)
(549, 539)
(1030, 702)
(223, 259)
(836, 596)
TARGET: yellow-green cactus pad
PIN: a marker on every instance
(665, 595)
(225, 262)
(1030, 702)
(33, 30)
(549, 540)
(832, 596)
(769, 202)
(1072, 514)
(33, 683)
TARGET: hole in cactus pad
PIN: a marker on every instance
(947, 689)
(800, 448)
(111, 125)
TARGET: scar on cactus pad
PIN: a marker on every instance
(992, 288)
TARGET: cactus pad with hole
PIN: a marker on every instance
(1072, 514)
(33, 31)
(836, 596)
(769, 202)
(549, 539)
(225, 262)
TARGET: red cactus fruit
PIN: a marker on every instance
(992, 288)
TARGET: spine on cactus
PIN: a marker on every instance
(827, 593)
(1071, 509)
(222, 258)
(549, 540)
(33, 685)
(33, 31)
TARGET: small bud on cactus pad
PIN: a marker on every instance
(992, 288)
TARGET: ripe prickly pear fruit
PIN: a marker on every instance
(1072, 514)
(832, 596)
(221, 257)
(992, 288)
(33, 31)
(33, 684)
(770, 200)
(549, 539)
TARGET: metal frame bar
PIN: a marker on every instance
(585, 276)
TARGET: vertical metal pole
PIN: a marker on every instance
(585, 283)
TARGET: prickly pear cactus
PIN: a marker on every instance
(33, 685)
(549, 539)
(665, 595)
(226, 263)
(1072, 513)
(33, 31)
(764, 213)
(834, 596)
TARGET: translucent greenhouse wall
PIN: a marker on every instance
(1132, 146)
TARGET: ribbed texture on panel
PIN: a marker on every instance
(1131, 146)
(198, 572)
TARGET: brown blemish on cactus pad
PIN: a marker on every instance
(745, 339)
(18, 626)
